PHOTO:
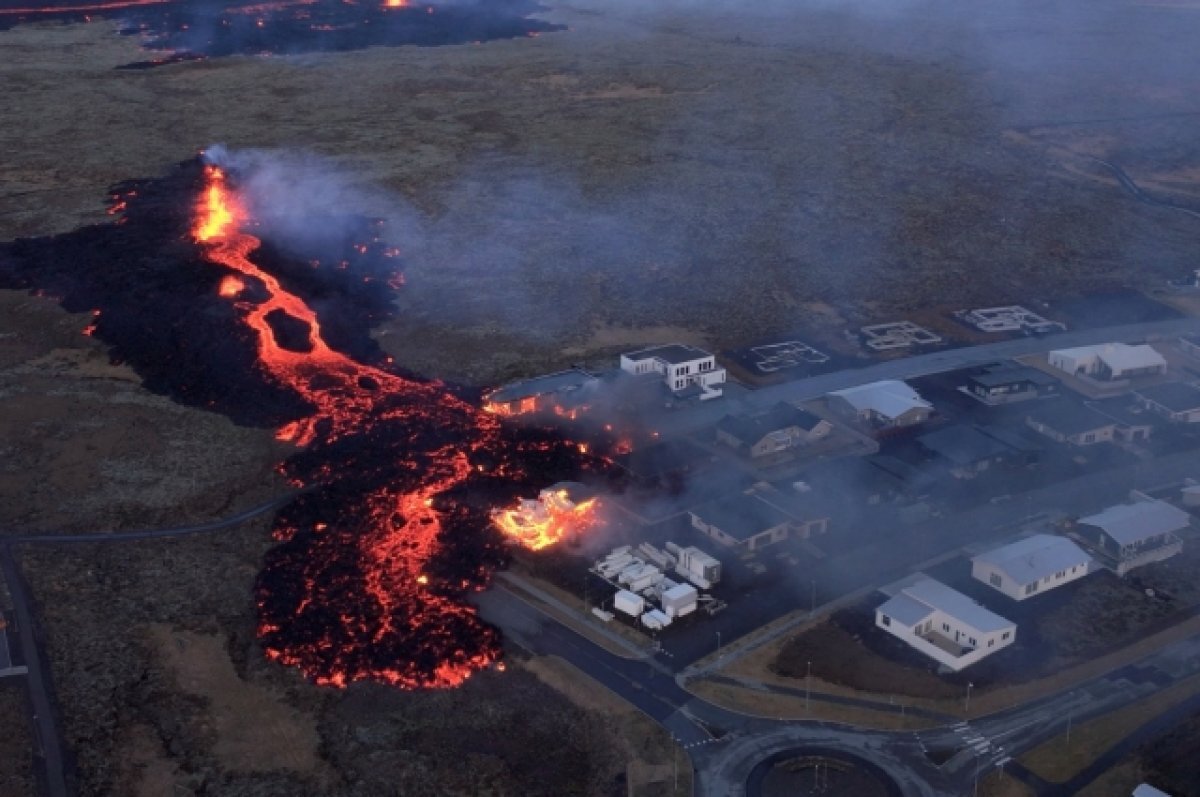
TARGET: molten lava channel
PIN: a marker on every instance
(353, 598)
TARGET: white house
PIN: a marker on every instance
(1031, 566)
(944, 624)
(683, 368)
(887, 404)
(1130, 535)
(1109, 361)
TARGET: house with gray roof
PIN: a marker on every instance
(1175, 401)
(944, 624)
(1133, 534)
(750, 521)
(1031, 566)
(884, 405)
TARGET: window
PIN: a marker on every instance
(995, 580)
(1031, 588)
(972, 641)
(883, 618)
(1089, 438)
(991, 642)
(945, 626)
(1006, 635)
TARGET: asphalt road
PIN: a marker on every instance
(49, 745)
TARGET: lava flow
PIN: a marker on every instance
(364, 586)
(391, 529)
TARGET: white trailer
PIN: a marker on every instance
(655, 620)
(698, 567)
(679, 600)
(625, 601)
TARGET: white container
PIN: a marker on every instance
(625, 601)
(679, 600)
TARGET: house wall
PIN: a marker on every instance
(1190, 416)
(761, 540)
(1086, 364)
(986, 644)
(1103, 434)
(990, 575)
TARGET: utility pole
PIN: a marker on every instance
(967, 705)
(807, 686)
(975, 789)
(718, 646)
(1070, 716)
(812, 610)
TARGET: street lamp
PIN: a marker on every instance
(718, 646)
(967, 706)
(807, 685)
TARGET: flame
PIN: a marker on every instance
(218, 214)
(230, 287)
(553, 517)
(396, 3)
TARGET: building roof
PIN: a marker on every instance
(1069, 418)
(963, 445)
(998, 374)
(1117, 356)
(1119, 410)
(561, 382)
(905, 610)
(672, 353)
(752, 428)
(1173, 396)
(890, 398)
(1011, 438)
(663, 459)
(1146, 790)
(1033, 558)
(1131, 523)
(741, 516)
(937, 595)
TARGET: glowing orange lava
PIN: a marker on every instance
(397, 532)
(230, 287)
(548, 520)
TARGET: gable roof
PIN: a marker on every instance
(1009, 373)
(741, 516)
(1130, 523)
(1035, 557)
(752, 428)
(963, 445)
(890, 398)
(1117, 356)
(905, 610)
(937, 595)
(1174, 396)
(1069, 418)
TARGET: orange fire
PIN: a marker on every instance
(218, 213)
(551, 518)
(396, 3)
(230, 287)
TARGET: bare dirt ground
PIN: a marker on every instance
(714, 174)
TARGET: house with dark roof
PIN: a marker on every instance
(964, 450)
(1176, 401)
(1065, 421)
(1133, 534)
(780, 429)
(1008, 382)
(566, 389)
(1133, 423)
(750, 521)
(664, 464)
(1031, 566)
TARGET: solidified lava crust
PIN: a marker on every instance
(375, 560)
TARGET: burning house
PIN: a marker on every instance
(564, 393)
(561, 512)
